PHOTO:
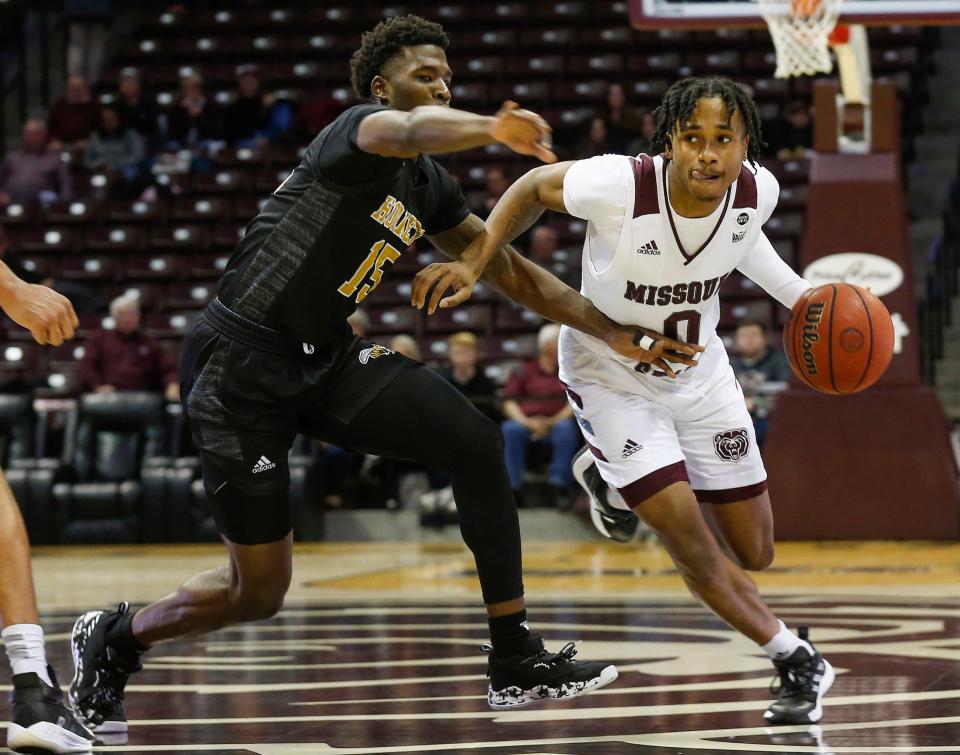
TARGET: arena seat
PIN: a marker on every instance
(103, 500)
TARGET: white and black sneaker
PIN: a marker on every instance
(615, 522)
(101, 673)
(802, 681)
(40, 722)
(535, 674)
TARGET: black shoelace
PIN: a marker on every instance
(791, 680)
(566, 654)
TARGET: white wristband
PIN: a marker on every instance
(645, 342)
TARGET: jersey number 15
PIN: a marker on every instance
(380, 254)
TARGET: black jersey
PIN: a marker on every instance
(326, 236)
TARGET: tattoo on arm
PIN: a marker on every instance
(527, 214)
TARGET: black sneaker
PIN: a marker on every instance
(612, 522)
(41, 723)
(803, 680)
(535, 674)
(101, 672)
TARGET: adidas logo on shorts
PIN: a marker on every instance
(649, 248)
(630, 448)
(262, 465)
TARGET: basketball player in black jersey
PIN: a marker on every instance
(273, 357)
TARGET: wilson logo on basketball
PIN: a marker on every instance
(810, 335)
(732, 445)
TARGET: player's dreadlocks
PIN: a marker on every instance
(681, 99)
(385, 42)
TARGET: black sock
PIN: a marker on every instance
(120, 636)
(508, 633)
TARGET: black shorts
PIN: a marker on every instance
(247, 392)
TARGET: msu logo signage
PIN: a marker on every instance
(732, 445)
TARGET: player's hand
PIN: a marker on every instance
(524, 132)
(649, 347)
(46, 314)
(436, 279)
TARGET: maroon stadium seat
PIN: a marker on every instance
(110, 238)
(474, 318)
(394, 320)
(88, 267)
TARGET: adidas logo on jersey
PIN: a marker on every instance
(649, 248)
(262, 465)
(738, 236)
(630, 448)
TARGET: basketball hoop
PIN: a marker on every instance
(801, 34)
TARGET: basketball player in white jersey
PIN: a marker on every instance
(671, 437)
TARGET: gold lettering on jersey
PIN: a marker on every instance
(380, 254)
(396, 218)
(381, 214)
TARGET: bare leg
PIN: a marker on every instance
(251, 587)
(747, 528)
(723, 586)
(18, 603)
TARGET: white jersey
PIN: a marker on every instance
(640, 265)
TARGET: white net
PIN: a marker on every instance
(800, 31)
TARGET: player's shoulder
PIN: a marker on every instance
(609, 173)
(757, 188)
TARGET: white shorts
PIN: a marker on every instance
(649, 432)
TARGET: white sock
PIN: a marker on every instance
(783, 644)
(24, 646)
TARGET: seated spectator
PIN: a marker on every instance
(497, 184)
(790, 136)
(35, 172)
(404, 344)
(195, 120)
(761, 371)
(74, 116)
(359, 323)
(124, 359)
(596, 141)
(643, 144)
(315, 113)
(115, 148)
(464, 375)
(545, 251)
(136, 111)
(537, 411)
(255, 118)
(622, 121)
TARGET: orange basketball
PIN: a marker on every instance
(839, 338)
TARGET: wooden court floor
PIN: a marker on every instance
(377, 651)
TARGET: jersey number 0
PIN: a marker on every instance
(671, 329)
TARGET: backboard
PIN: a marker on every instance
(708, 14)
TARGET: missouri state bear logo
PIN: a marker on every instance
(732, 445)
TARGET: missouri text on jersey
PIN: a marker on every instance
(693, 292)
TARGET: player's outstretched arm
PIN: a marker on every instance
(531, 286)
(46, 314)
(436, 130)
(767, 269)
(519, 208)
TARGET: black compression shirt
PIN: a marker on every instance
(326, 236)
